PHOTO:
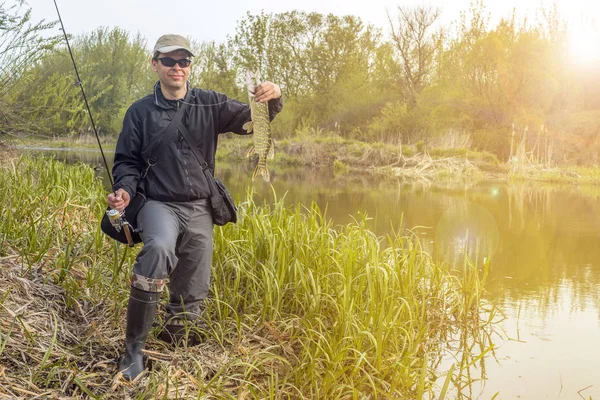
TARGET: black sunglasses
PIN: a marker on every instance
(170, 62)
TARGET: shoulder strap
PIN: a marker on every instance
(168, 135)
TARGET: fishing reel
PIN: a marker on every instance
(116, 219)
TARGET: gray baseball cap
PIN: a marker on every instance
(169, 43)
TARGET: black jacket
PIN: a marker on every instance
(177, 175)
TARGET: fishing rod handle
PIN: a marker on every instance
(128, 235)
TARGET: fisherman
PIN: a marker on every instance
(176, 221)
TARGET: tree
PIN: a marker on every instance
(213, 68)
(22, 44)
(324, 62)
(416, 46)
(115, 70)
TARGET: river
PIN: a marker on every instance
(542, 243)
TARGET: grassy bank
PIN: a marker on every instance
(298, 309)
(572, 175)
(329, 150)
(414, 162)
(87, 141)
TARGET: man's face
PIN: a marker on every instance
(175, 77)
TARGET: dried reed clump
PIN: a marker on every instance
(310, 154)
(540, 157)
(423, 166)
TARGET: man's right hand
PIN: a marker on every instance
(118, 201)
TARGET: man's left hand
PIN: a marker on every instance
(266, 91)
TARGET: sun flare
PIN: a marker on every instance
(584, 44)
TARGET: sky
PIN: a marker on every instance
(214, 20)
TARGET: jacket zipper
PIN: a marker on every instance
(187, 174)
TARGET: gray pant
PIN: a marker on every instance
(178, 244)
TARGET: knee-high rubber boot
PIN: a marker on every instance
(140, 314)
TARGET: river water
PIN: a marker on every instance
(542, 243)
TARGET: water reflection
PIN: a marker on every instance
(541, 242)
(466, 228)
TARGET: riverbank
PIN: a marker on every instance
(413, 163)
(297, 306)
(87, 142)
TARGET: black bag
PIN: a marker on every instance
(139, 198)
(223, 207)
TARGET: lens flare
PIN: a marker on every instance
(584, 43)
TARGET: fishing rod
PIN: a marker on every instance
(116, 218)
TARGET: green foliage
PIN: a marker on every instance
(407, 150)
(123, 66)
(114, 69)
(340, 75)
(55, 104)
(322, 62)
(340, 166)
(22, 44)
(398, 123)
(213, 69)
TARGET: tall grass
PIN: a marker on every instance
(299, 308)
(49, 214)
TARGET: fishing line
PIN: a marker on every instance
(80, 84)
(211, 105)
(229, 99)
(215, 104)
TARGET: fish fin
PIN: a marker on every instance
(248, 126)
(263, 171)
(251, 151)
(271, 153)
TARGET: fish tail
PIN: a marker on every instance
(262, 170)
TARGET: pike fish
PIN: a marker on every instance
(260, 125)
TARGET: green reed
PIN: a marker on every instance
(303, 308)
(49, 213)
(350, 314)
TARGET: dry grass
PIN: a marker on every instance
(423, 167)
(52, 351)
(7, 152)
